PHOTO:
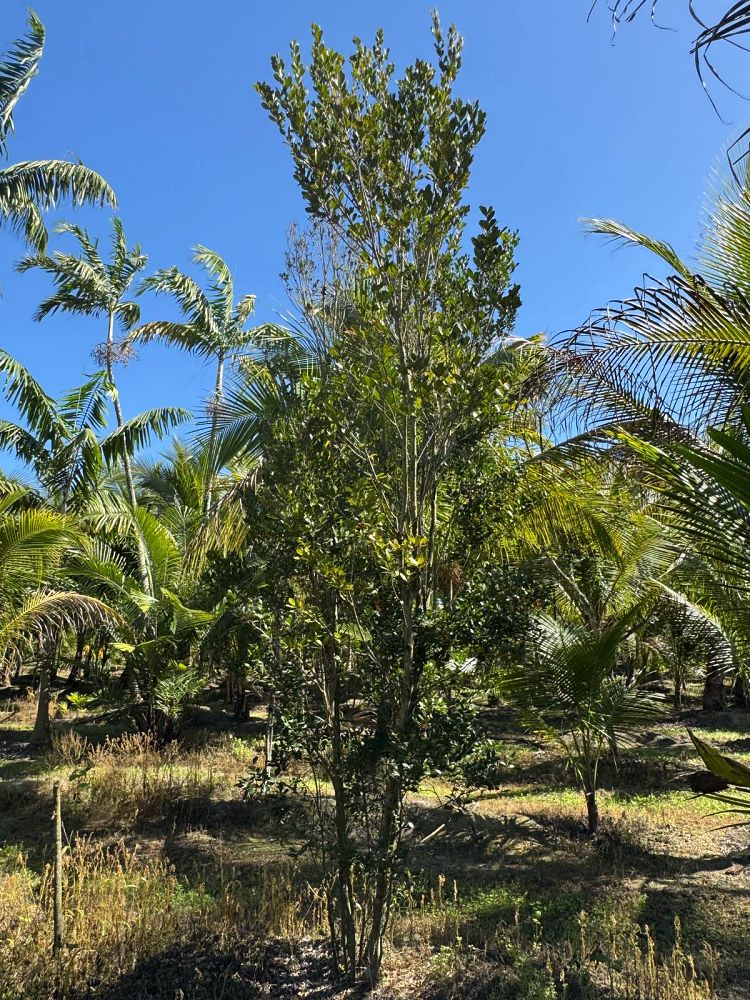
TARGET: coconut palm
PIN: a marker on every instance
(214, 326)
(569, 692)
(704, 498)
(29, 188)
(161, 629)
(674, 357)
(34, 542)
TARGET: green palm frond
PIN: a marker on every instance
(222, 287)
(86, 406)
(33, 542)
(187, 619)
(192, 301)
(46, 613)
(37, 408)
(138, 432)
(182, 335)
(163, 553)
(43, 184)
(623, 234)
(569, 680)
(17, 69)
(705, 497)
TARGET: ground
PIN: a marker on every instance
(179, 886)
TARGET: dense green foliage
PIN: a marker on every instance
(381, 525)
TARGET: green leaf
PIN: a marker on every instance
(723, 767)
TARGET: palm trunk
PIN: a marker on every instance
(41, 734)
(126, 463)
(215, 404)
(714, 692)
(592, 811)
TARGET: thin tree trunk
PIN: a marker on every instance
(58, 929)
(75, 670)
(7, 679)
(714, 692)
(592, 811)
(269, 741)
(41, 734)
(126, 463)
(215, 405)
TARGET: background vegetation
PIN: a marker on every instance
(380, 677)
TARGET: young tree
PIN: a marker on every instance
(29, 188)
(34, 542)
(569, 693)
(408, 385)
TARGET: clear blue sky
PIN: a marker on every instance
(158, 97)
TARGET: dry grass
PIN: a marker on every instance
(118, 911)
(504, 921)
(121, 910)
(131, 778)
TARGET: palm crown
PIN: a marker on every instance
(29, 188)
(214, 326)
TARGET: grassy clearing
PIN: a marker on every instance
(171, 875)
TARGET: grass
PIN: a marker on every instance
(170, 870)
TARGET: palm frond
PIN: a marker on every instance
(17, 68)
(139, 431)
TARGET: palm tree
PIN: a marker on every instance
(704, 498)
(569, 693)
(162, 630)
(87, 286)
(34, 541)
(215, 325)
(29, 188)
(674, 357)
(62, 439)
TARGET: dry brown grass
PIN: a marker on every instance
(130, 778)
(118, 911)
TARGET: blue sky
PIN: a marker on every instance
(158, 97)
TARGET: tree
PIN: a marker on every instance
(215, 325)
(34, 542)
(62, 440)
(161, 631)
(408, 385)
(569, 692)
(29, 188)
(87, 286)
(674, 357)
(659, 369)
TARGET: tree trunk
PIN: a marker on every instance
(75, 670)
(739, 690)
(592, 811)
(130, 682)
(126, 464)
(269, 740)
(7, 678)
(41, 735)
(714, 694)
(215, 404)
